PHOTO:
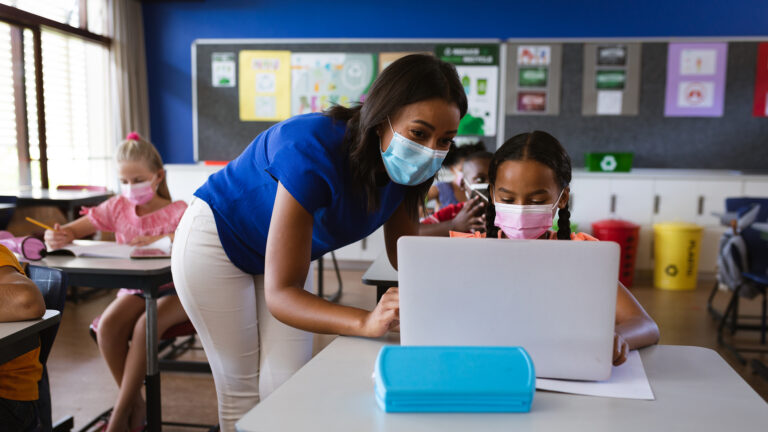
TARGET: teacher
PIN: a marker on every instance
(307, 186)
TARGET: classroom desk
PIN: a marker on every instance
(147, 275)
(6, 210)
(381, 274)
(19, 337)
(67, 199)
(695, 390)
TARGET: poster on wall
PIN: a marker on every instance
(321, 80)
(695, 79)
(478, 69)
(223, 69)
(760, 108)
(533, 79)
(611, 79)
(265, 85)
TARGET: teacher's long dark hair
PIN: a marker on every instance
(411, 79)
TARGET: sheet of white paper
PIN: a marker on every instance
(100, 249)
(627, 381)
(163, 244)
(609, 102)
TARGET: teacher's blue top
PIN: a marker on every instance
(306, 154)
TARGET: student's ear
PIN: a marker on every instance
(160, 176)
(565, 199)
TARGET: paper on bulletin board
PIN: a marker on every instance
(695, 79)
(760, 108)
(478, 70)
(387, 58)
(534, 55)
(321, 80)
(481, 86)
(609, 102)
(265, 85)
(223, 69)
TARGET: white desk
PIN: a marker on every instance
(145, 274)
(381, 274)
(19, 337)
(695, 390)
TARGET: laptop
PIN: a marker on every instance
(556, 299)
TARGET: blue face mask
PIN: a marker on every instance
(409, 163)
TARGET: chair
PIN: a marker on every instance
(53, 285)
(742, 264)
(175, 341)
(320, 285)
(5, 216)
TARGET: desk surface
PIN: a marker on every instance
(16, 337)
(695, 390)
(107, 266)
(7, 206)
(381, 272)
(60, 196)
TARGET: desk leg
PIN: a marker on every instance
(154, 416)
(380, 290)
(320, 287)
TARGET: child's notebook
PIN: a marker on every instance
(105, 249)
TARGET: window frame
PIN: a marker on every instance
(19, 20)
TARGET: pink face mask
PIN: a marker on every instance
(138, 193)
(525, 221)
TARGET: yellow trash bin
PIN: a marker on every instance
(676, 254)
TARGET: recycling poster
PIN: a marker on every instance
(265, 85)
(478, 69)
(611, 79)
(695, 79)
(533, 79)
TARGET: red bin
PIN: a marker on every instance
(626, 234)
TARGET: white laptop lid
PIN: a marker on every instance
(557, 299)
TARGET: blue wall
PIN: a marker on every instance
(170, 27)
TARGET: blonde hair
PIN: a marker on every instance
(137, 149)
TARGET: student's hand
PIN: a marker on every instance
(59, 237)
(385, 317)
(620, 349)
(471, 217)
(144, 240)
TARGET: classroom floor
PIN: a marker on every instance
(82, 386)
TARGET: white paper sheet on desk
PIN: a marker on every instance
(627, 381)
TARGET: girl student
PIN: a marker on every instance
(141, 214)
(447, 193)
(528, 181)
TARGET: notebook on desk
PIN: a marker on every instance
(556, 299)
(106, 249)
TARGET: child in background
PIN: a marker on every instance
(19, 300)
(528, 181)
(447, 193)
(469, 215)
(142, 214)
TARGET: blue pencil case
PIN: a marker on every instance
(454, 379)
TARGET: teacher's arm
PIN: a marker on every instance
(399, 224)
(288, 254)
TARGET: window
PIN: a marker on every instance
(77, 146)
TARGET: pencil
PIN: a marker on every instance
(38, 223)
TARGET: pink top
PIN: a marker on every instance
(118, 215)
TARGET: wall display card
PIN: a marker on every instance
(534, 55)
(531, 101)
(612, 55)
(695, 79)
(611, 79)
(223, 69)
(533, 76)
(321, 80)
(533, 79)
(609, 102)
(478, 69)
(265, 85)
(760, 108)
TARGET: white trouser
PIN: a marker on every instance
(251, 353)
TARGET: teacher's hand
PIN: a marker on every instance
(386, 315)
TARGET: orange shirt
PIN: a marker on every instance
(19, 377)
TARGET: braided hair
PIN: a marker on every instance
(540, 147)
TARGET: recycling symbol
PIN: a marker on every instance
(671, 270)
(608, 163)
